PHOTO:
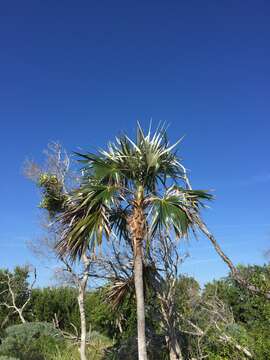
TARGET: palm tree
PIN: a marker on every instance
(134, 189)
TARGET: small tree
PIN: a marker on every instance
(134, 189)
(55, 180)
(16, 291)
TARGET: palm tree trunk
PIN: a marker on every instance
(138, 278)
(137, 225)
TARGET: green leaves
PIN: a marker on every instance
(53, 199)
(102, 169)
(87, 218)
(175, 210)
(146, 161)
(155, 158)
(109, 187)
(168, 213)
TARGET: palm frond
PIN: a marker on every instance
(118, 219)
(168, 214)
(86, 219)
(147, 160)
(192, 198)
(174, 211)
(119, 290)
(101, 169)
(109, 186)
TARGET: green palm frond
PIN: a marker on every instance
(103, 170)
(156, 159)
(118, 220)
(86, 219)
(109, 188)
(147, 160)
(175, 210)
(168, 213)
(191, 198)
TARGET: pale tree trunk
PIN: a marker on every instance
(175, 354)
(174, 348)
(83, 325)
(81, 303)
(12, 292)
(171, 339)
(138, 278)
(21, 317)
(234, 272)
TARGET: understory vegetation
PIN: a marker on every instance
(219, 322)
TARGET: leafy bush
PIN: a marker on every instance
(31, 341)
(53, 196)
(128, 349)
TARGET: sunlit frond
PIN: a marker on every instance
(174, 211)
(103, 170)
(109, 187)
(168, 214)
(147, 160)
(86, 219)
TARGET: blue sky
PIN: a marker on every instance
(80, 72)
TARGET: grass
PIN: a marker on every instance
(95, 350)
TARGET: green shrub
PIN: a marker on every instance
(31, 341)
(127, 349)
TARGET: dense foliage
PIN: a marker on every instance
(31, 341)
(247, 321)
(251, 313)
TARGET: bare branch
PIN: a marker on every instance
(14, 294)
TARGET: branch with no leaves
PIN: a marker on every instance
(13, 293)
(234, 271)
(196, 220)
(67, 335)
(218, 317)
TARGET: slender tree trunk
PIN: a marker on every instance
(174, 347)
(138, 277)
(83, 324)
(81, 303)
(137, 226)
(21, 317)
(235, 273)
(175, 353)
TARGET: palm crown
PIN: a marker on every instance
(137, 187)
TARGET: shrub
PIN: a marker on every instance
(31, 341)
(127, 349)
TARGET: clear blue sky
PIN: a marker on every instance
(80, 72)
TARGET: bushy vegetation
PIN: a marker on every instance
(31, 341)
(247, 322)
(251, 313)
